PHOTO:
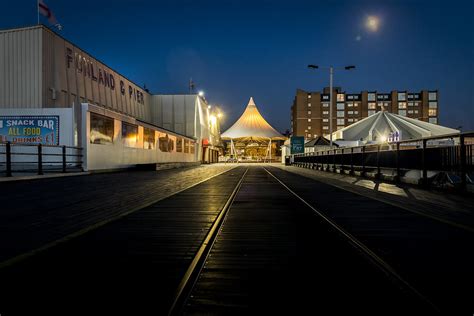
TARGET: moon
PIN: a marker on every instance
(372, 23)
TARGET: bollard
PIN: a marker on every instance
(8, 159)
(64, 159)
(40, 159)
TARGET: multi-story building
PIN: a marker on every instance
(310, 110)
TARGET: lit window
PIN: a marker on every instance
(432, 112)
(433, 105)
(148, 138)
(305, 130)
(402, 105)
(129, 134)
(410, 97)
(309, 127)
(416, 96)
(355, 120)
(386, 104)
(402, 96)
(372, 105)
(350, 97)
(340, 113)
(340, 97)
(356, 112)
(340, 106)
(356, 104)
(380, 104)
(325, 112)
(101, 129)
(325, 105)
(350, 120)
(433, 120)
(410, 103)
(371, 112)
(309, 105)
(410, 111)
(432, 96)
(340, 127)
(340, 121)
(325, 97)
(325, 127)
(309, 112)
(385, 97)
(402, 112)
(350, 104)
(416, 111)
(309, 96)
(350, 112)
(371, 97)
(309, 135)
(325, 120)
(309, 120)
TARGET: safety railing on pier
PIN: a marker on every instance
(434, 157)
(38, 158)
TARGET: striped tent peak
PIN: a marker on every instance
(251, 125)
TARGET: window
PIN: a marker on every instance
(340, 127)
(309, 96)
(416, 111)
(325, 120)
(385, 97)
(305, 130)
(325, 112)
(309, 112)
(186, 146)
(350, 97)
(340, 97)
(309, 105)
(402, 105)
(166, 144)
(340, 106)
(309, 135)
(371, 112)
(350, 120)
(410, 111)
(433, 120)
(416, 96)
(350, 104)
(410, 96)
(192, 145)
(340, 113)
(325, 127)
(381, 104)
(432, 96)
(340, 121)
(350, 112)
(356, 112)
(325, 105)
(433, 105)
(309, 127)
(356, 104)
(402, 112)
(129, 134)
(148, 138)
(325, 97)
(410, 103)
(309, 120)
(402, 96)
(432, 112)
(371, 97)
(372, 105)
(355, 120)
(101, 129)
(179, 145)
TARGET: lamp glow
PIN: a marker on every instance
(201, 93)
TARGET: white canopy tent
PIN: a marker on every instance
(251, 128)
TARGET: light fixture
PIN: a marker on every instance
(219, 115)
(201, 93)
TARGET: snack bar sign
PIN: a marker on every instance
(30, 129)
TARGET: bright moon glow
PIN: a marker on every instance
(372, 23)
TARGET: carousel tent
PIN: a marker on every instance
(251, 126)
(252, 130)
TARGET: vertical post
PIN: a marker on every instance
(363, 161)
(342, 161)
(64, 159)
(352, 161)
(331, 73)
(40, 159)
(378, 162)
(463, 162)
(333, 160)
(423, 163)
(398, 162)
(8, 152)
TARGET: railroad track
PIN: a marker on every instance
(223, 277)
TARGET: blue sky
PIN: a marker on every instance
(237, 49)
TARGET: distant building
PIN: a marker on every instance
(310, 110)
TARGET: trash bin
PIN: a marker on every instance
(287, 160)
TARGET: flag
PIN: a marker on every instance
(46, 11)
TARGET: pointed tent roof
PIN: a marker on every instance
(381, 124)
(252, 126)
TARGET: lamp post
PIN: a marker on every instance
(331, 75)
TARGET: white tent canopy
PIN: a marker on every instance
(252, 126)
(380, 125)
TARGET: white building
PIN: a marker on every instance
(117, 123)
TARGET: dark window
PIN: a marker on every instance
(179, 145)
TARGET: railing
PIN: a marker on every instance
(38, 158)
(453, 155)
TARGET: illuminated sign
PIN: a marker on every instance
(394, 136)
(39, 129)
(297, 144)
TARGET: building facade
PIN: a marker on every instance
(310, 110)
(117, 122)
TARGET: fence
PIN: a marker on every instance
(38, 158)
(451, 154)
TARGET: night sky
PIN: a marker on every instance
(237, 49)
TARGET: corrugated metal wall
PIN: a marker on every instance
(21, 68)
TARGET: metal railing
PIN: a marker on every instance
(38, 158)
(451, 154)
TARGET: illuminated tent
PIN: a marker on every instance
(382, 125)
(251, 129)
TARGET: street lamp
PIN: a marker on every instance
(331, 74)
